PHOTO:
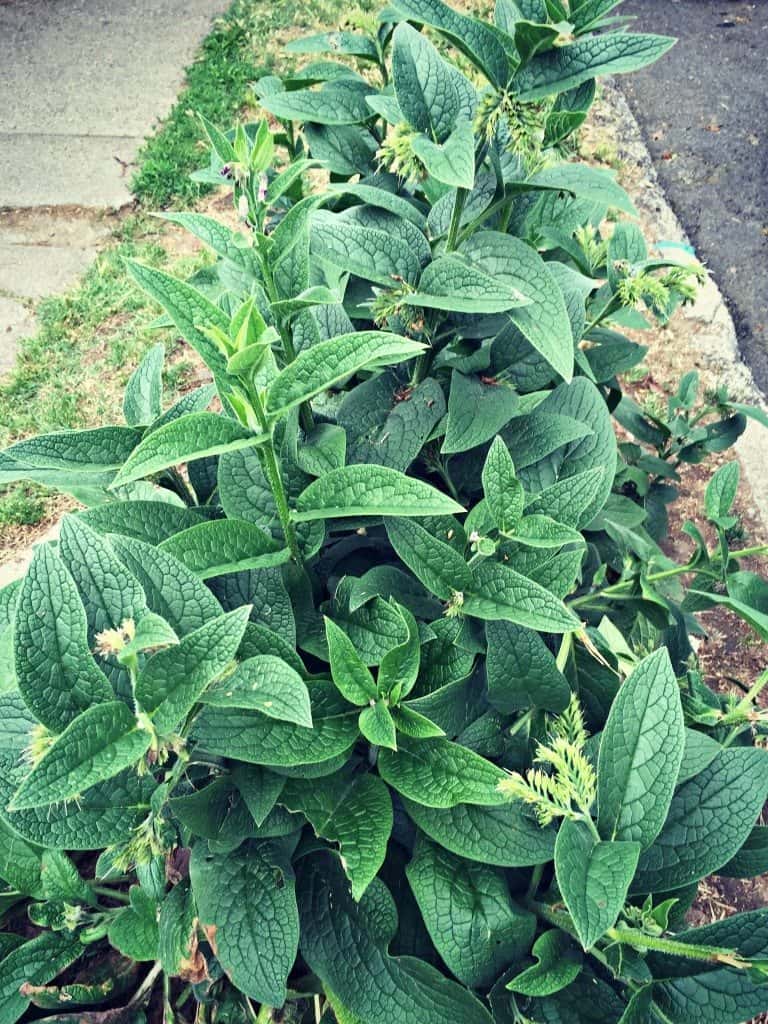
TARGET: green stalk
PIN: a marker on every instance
(458, 209)
(672, 947)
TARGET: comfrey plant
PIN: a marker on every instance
(362, 690)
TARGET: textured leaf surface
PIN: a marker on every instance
(475, 926)
(343, 944)
(440, 567)
(98, 744)
(223, 546)
(56, 673)
(557, 966)
(593, 877)
(143, 398)
(499, 592)
(522, 671)
(709, 819)
(325, 364)
(246, 902)
(252, 737)
(424, 86)
(355, 812)
(565, 67)
(194, 436)
(476, 411)
(640, 753)
(134, 929)
(36, 962)
(336, 103)
(371, 491)
(438, 773)
(266, 684)
(173, 679)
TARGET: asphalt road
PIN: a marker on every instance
(703, 109)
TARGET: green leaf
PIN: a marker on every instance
(538, 531)
(143, 398)
(477, 409)
(377, 726)
(747, 597)
(55, 670)
(498, 592)
(370, 491)
(222, 546)
(476, 927)
(257, 739)
(382, 199)
(709, 819)
(177, 932)
(565, 67)
(195, 436)
(266, 684)
(134, 930)
(246, 902)
(640, 753)
(451, 162)
(228, 244)
(367, 252)
(336, 103)
(189, 309)
(454, 282)
(326, 364)
(353, 811)
(721, 491)
(424, 86)
(411, 723)
(544, 320)
(504, 494)
(173, 592)
(172, 680)
(80, 452)
(751, 860)
(438, 773)
(592, 183)
(471, 36)
(559, 962)
(20, 862)
(34, 963)
(98, 744)
(350, 674)
(593, 878)
(339, 935)
(522, 671)
(352, 43)
(440, 567)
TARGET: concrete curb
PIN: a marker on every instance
(716, 350)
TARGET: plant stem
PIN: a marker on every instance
(143, 992)
(264, 1015)
(113, 894)
(673, 947)
(458, 209)
(533, 885)
(275, 479)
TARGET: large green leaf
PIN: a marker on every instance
(640, 753)
(454, 282)
(440, 567)
(189, 309)
(424, 86)
(20, 862)
(371, 491)
(345, 945)
(267, 684)
(364, 251)
(35, 963)
(438, 773)
(565, 67)
(498, 592)
(354, 811)
(95, 746)
(228, 244)
(55, 670)
(172, 680)
(195, 436)
(477, 410)
(172, 591)
(544, 321)
(473, 37)
(329, 362)
(475, 926)
(77, 452)
(223, 546)
(246, 903)
(709, 819)
(451, 162)
(522, 671)
(336, 103)
(593, 878)
(134, 930)
(257, 739)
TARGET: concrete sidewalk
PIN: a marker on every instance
(82, 83)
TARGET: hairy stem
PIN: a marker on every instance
(458, 209)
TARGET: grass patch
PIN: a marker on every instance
(241, 48)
